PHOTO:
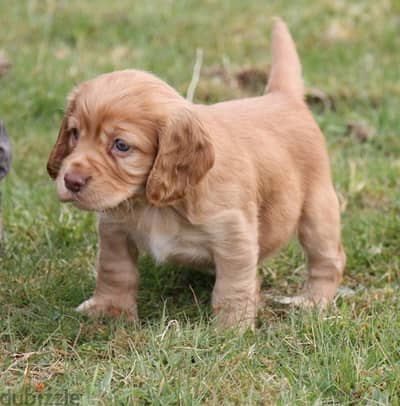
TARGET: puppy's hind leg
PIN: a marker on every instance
(319, 233)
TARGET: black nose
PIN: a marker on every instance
(75, 181)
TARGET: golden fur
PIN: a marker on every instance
(221, 186)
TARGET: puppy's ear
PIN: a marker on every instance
(61, 147)
(59, 151)
(185, 155)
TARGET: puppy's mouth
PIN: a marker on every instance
(77, 199)
(90, 200)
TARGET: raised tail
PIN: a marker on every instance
(285, 75)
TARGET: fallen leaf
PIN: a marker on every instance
(252, 79)
(359, 131)
(39, 387)
(5, 64)
(315, 96)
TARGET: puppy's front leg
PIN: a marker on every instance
(236, 290)
(117, 275)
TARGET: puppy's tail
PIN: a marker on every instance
(285, 75)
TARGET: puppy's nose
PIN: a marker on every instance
(75, 181)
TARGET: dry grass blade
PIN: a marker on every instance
(196, 75)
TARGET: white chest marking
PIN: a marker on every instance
(162, 246)
(161, 233)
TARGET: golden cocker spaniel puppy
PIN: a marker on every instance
(221, 186)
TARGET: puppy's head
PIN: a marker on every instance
(128, 135)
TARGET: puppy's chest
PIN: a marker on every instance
(163, 234)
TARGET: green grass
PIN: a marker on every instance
(350, 355)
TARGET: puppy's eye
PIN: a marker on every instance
(120, 145)
(74, 132)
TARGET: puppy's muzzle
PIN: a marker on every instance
(75, 181)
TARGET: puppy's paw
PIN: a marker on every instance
(107, 307)
(240, 319)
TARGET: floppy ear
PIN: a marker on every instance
(185, 155)
(61, 147)
(59, 151)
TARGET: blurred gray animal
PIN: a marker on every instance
(5, 151)
(5, 163)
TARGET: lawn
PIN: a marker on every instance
(350, 52)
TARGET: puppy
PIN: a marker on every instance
(221, 186)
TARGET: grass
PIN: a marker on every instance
(350, 355)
